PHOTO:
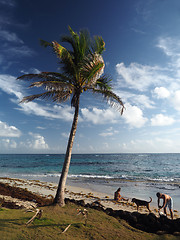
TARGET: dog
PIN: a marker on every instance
(139, 202)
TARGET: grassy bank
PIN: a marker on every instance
(54, 220)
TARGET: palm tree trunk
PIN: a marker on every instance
(59, 198)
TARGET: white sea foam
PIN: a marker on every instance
(89, 176)
(69, 175)
(115, 178)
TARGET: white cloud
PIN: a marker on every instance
(65, 112)
(14, 88)
(134, 116)
(173, 132)
(161, 120)
(9, 36)
(100, 116)
(10, 3)
(143, 77)
(165, 141)
(138, 31)
(11, 46)
(31, 70)
(139, 100)
(18, 51)
(9, 131)
(53, 112)
(144, 101)
(8, 143)
(105, 146)
(176, 100)
(156, 145)
(161, 92)
(4, 20)
(91, 148)
(165, 81)
(170, 46)
(65, 135)
(108, 132)
(140, 77)
(39, 127)
(38, 142)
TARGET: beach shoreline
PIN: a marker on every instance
(89, 195)
(138, 175)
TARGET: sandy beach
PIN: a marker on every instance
(48, 189)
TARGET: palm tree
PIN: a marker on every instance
(82, 70)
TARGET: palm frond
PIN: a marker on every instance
(62, 52)
(45, 76)
(54, 96)
(113, 99)
(61, 96)
(104, 83)
(84, 42)
(73, 34)
(29, 76)
(45, 95)
(98, 45)
(92, 68)
(91, 73)
(52, 85)
(79, 42)
(45, 43)
(58, 76)
(66, 59)
(71, 41)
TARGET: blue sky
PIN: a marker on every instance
(142, 56)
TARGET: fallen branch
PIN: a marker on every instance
(37, 214)
(66, 228)
(84, 213)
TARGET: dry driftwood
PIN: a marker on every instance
(84, 213)
(80, 211)
(37, 214)
(66, 228)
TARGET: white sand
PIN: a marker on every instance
(49, 189)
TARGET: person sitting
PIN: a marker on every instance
(118, 197)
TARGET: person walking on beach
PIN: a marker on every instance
(118, 197)
(167, 201)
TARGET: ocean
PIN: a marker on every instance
(138, 175)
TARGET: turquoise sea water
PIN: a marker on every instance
(157, 167)
(139, 175)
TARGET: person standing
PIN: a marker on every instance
(167, 201)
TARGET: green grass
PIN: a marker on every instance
(55, 219)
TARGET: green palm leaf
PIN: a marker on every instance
(54, 96)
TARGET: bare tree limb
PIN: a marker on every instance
(66, 228)
(37, 214)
